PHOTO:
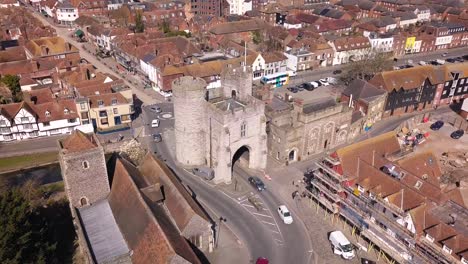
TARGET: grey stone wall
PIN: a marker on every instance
(189, 113)
(91, 183)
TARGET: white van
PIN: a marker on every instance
(341, 245)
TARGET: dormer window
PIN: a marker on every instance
(100, 103)
(47, 113)
(66, 111)
(114, 101)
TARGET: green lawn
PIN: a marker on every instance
(27, 161)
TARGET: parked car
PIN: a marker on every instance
(451, 60)
(156, 109)
(324, 82)
(422, 63)
(262, 261)
(315, 84)
(457, 134)
(309, 87)
(285, 215)
(257, 183)
(157, 138)
(155, 123)
(337, 71)
(437, 125)
(444, 54)
(204, 172)
(459, 59)
(332, 80)
(341, 245)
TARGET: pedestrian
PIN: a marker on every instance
(293, 183)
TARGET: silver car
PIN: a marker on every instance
(204, 172)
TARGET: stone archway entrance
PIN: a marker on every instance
(241, 157)
(292, 156)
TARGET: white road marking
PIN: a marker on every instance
(248, 205)
(267, 222)
(275, 231)
(263, 215)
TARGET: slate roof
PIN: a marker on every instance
(317, 106)
(106, 241)
(360, 89)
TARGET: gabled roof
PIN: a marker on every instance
(55, 45)
(406, 79)
(56, 110)
(78, 141)
(151, 236)
(360, 89)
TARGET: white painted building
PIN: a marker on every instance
(443, 40)
(382, 43)
(66, 14)
(423, 14)
(8, 3)
(239, 7)
(20, 121)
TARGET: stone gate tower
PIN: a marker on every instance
(211, 131)
(189, 100)
(84, 169)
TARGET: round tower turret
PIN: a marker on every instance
(189, 113)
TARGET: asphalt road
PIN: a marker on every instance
(317, 74)
(262, 232)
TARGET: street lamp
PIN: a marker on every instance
(221, 220)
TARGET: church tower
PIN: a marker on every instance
(84, 169)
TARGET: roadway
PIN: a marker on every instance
(317, 74)
(262, 232)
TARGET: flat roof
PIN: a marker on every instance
(104, 236)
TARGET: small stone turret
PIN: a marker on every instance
(189, 113)
(237, 81)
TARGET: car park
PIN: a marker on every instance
(257, 183)
(457, 134)
(155, 123)
(437, 125)
(285, 215)
(157, 138)
(204, 173)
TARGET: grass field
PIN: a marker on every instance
(27, 161)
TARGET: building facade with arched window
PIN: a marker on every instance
(302, 131)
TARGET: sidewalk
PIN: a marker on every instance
(230, 250)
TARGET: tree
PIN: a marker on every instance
(257, 37)
(165, 28)
(139, 26)
(367, 67)
(16, 244)
(122, 15)
(12, 81)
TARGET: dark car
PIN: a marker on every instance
(337, 71)
(257, 183)
(457, 134)
(157, 138)
(309, 87)
(451, 60)
(437, 125)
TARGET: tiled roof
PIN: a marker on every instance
(56, 45)
(406, 79)
(79, 141)
(352, 43)
(107, 99)
(151, 236)
(275, 56)
(57, 110)
(238, 27)
(12, 54)
(360, 89)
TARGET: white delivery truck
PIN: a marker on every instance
(341, 245)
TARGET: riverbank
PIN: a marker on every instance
(10, 164)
